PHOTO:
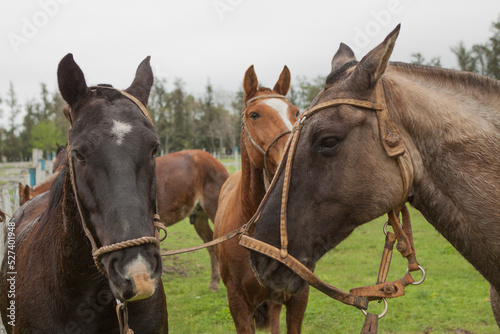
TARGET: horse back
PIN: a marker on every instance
(186, 178)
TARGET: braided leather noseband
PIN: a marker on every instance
(394, 148)
(97, 252)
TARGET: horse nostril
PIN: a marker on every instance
(157, 265)
(112, 267)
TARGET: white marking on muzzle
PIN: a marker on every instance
(119, 130)
(138, 271)
(282, 108)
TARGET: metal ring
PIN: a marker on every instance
(386, 307)
(385, 227)
(423, 275)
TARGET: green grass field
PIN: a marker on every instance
(453, 299)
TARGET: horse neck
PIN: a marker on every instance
(74, 248)
(252, 182)
(451, 127)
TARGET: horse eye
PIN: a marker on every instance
(254, 115)
(155, 151)
(78, 156)
(329, 142)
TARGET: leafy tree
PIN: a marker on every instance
(45, 135)
(305, 90)
(158, 107)
(481, 58)
(420, 60)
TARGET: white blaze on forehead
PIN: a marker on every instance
(119, 130)
(282, 108)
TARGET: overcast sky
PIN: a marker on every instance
(198, 40)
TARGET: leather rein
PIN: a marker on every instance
(98, 252)
(394, 148)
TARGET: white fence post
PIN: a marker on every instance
(236, 166)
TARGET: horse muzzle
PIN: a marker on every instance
(274, 275)
(136, 279)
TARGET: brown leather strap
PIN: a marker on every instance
(371, 324)
(304, 272)
(224, 238)
(385, 263)
(132, 98)
(122, 314)
(267, 96)
(284, 195)
(384, 290)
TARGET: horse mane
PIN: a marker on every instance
(335, 75)
(458, 82)
(55, 195)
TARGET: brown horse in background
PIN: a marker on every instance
(188, 183)
(342, 175)
(266, 122)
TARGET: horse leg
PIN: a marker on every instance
(205, 232)
(295, 310)
(274, 317)
(240, 310)
(495, 304)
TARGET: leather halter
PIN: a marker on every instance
(265, 153)
(395, 148)
(98, 252)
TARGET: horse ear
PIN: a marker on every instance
(71, 81)
(250, 83)
(344, 54)
(143, 81)
(374, 64)
(24, 193)
(283, 84)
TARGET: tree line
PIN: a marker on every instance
(185, 121)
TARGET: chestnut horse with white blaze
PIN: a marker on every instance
(267, 119)
(346, 171)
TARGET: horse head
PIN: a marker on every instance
(341, 175)
(112, 157)
(267, 117)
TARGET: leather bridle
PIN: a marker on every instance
(98, 252)
(265, 153)
(394, 147)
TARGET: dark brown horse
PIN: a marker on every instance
(188, 183)
(342, 175)
(266, 122)
(58, 288)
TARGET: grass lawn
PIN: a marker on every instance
(453, 299)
